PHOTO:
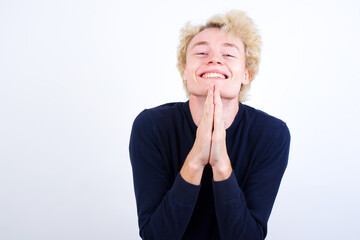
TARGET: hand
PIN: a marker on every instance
(210, 143)
(202, 144)
(200, 152)
(219, 159)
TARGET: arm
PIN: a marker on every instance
(164, 204)
(243, 213)
(198, 157)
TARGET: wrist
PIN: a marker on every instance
(193, 167)
(221, 173)
(191, 172)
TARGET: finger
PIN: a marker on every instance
(209, 106)
(218, 113)
(211, 95)
(218, 102)
(217, 99)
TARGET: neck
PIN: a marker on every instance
(230, 109)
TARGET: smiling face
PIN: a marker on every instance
(215, 57)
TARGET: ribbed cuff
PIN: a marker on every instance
(183, 192)
(227, 189)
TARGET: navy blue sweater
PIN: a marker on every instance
(236, 208)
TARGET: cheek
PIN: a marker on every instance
(238, 76)
(188, 73)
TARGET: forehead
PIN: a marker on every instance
(214, 36)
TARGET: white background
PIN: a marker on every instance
(74, 75)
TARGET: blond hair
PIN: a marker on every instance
(234, 22)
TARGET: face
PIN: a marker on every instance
(214, 57)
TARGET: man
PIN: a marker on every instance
(209, 168)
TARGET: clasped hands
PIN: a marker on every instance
(210, 143)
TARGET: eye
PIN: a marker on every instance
(201, 53)
(228, 55)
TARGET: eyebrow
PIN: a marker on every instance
(199, 43)
(231, 45)
(207, 43)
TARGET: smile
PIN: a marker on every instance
(213, 75)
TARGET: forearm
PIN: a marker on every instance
(222, 171)
(234, 218)
(165, 201)
(172, 215)
(192, 170)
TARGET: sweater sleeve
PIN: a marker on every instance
(165, 203)
(243, 213)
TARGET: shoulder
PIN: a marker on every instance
(149, 124)
(160, 119)
(164, 111)
(269, 136)
(160, 114)
(265, 124)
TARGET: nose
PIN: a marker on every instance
(214, 60)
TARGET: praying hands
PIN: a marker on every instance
(210, 143)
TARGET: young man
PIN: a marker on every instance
(209, 168)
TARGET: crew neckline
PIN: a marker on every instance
(229, 130)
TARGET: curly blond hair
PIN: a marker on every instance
(234, 22)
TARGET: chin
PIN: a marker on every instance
(229, 94)
(198, 90)
(199, 93)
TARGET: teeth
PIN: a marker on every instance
(213, 75)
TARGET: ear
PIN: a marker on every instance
(246, 78)
(185, 80)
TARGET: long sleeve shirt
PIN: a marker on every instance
(236, 208)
